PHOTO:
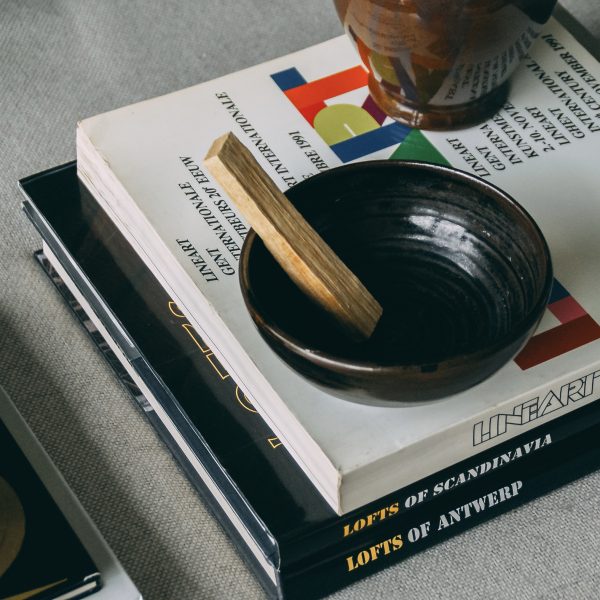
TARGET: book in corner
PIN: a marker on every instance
(49, 548)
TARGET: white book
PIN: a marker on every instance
(143, 163)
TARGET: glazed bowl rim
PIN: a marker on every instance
(330, 360)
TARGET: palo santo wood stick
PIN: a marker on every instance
(296, 246)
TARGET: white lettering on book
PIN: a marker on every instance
(395, 508)
(479, 505)
(492, 464)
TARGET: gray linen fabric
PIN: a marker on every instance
(62, 60)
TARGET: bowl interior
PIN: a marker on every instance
(456, 264)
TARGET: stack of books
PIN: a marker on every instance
(318, 491)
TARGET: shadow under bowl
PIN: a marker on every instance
(462, 272)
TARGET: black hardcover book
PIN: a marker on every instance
(41, 557)
(299, 546)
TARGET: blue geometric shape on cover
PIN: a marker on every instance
(288, 79)
(371, 141)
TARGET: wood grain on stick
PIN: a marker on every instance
(296, 246)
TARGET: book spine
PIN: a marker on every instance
(131, 358)
(557, 465)
(264, 566)
(512, 456)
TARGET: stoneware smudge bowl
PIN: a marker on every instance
(462, 272)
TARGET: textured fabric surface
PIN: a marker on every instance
(64, 60)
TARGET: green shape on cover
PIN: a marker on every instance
(417, 147)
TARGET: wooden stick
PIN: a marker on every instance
(296, 246)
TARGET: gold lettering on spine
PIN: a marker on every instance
(374, 517)
(243, 400)
(175, 311)
(192, 333)
(216, 365)
(374, 552)
(208, 353)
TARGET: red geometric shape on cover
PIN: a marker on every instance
(557, 341)
(567, 309)
(316, 92)
(311, 111)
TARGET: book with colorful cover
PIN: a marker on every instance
(298, 546)
(307, 112)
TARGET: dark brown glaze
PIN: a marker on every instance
(461, 270)
(441, 64)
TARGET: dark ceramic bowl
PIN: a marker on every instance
(461, 270)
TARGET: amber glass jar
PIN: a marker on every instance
(440, 64)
